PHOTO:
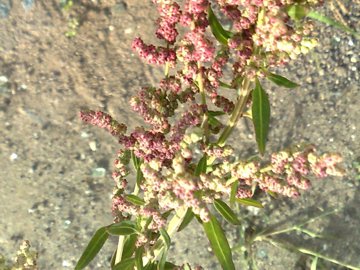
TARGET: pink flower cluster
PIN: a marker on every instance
(154, 55)
(103, 120)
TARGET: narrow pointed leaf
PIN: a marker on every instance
(134, 199)
(219, 243)
(189, 215)
(122, 228)
(139, 177)
(216, 28)
(260, 115)
(314, 263)
(129, 246)
(250, 202)
(93, 248)
(113, 258)
(281, 81)
(234, 187)
(138, 258)
(215, 113)
(225, 85)
(151, 266)
(166, 238)
(226, 212)
(161, 264)
(201, 166)
(135, 160)
(127, 264)
(170, 266)
(324, 19)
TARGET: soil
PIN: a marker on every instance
(56, 172)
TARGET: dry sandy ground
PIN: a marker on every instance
(52, 190)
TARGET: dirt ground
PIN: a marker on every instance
(55, 171)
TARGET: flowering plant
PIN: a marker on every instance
(183, 164)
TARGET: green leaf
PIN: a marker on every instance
(225, 85)
(214, 122)
(166, 238)
(136, 161)
(161, 264)
(260, 115)
(216, 28)
(134, 199)
(170, 266)
(94, 246)
(314, 263)
(297, 12)
(219, 243)
(129, 246)
(189, 215)
(201, 167)
(138, 258)
(122, 228)
(113, 258)
(151, 266)
(215, 113)
(139, 177)
(226, 212)
(250, 202)
(281, 81)
(127, 264)
(234, 187)
(324, 19)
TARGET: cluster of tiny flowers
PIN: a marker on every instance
(169, 16)
(154, 55)
(169, 149)
(264, 25)
(289, 171)
(103, 120)
(155, 106)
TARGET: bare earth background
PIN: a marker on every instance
(55, 171)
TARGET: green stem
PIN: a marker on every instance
(121, 242)
(171, 229)
(306, 251)
(167, 69)
(244, 93)
(120, 249)
(265, 233)
(200, 82)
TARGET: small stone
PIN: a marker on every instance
(4, 10)
(3, 79)
(98, 172)
(128, 31)
(13, 156)
(85, 135)
(27, 4)
(93, 146)
(66, 263)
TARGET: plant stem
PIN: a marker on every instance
(171, 229)
(244, 93)
(120, 249)
(288, 246)
(265, 233)
(200, 82)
